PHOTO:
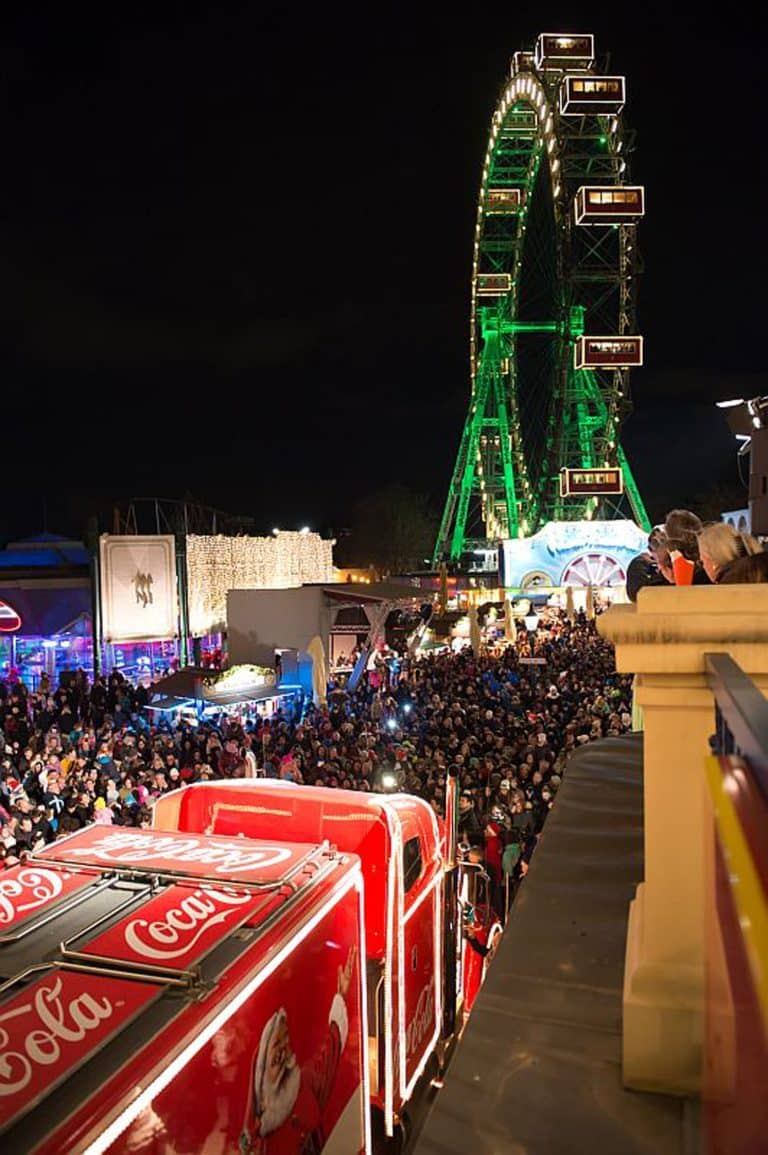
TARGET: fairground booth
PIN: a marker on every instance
(301, 630)
(196, 693)
(581, 555)
(45, 609)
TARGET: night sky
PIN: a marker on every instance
(237, 247)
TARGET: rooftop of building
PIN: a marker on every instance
(43, 551)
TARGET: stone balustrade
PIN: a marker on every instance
(663, 639)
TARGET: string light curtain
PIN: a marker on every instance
(218, 564)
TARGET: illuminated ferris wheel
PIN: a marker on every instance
(553, 336)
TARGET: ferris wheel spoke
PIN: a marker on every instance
(595, 569)
(590, 567)
(602, 569)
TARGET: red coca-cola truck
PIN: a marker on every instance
(267, 970)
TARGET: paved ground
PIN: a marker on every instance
(537, 1071)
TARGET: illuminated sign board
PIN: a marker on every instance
(574, 482)
(501, 201)
(493, 284)
(138, 587)
(10, 621)
(608, 352)
(559, 50)
(519, 122)
(617, 204)
(595, 95)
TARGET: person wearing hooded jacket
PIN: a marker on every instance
(470, 830)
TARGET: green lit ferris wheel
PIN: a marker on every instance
(553, 334)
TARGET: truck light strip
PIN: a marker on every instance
(436, 941)
(389, 1074)
(424, 806)
(746, 886)
(406, 1089)
(439, 932)
(360, 888)
(245, 808)
(169, 1072)
(400, 960)
(403, 1087)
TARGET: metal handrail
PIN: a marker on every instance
(134, 873)
(741, 716)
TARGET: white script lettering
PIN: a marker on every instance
(422, 1020)
(228, 858)
(33, 885)
(195, 915)
(42, 1044)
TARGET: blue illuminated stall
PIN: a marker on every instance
(45, 609)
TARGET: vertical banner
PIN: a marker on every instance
(138, 588)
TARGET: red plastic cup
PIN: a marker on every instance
(682, 568)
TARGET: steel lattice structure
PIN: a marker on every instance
(554, 279)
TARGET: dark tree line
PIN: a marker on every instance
(393, 529)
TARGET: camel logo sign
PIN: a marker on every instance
(139, 599)
(10, 621)
(143, 583)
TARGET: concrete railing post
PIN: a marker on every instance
(663, 640)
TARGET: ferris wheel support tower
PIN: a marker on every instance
(554, 278)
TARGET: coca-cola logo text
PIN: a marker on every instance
(34, 887)
(51, 1025)
(228, 858)
(423, 1018)
(184, 925)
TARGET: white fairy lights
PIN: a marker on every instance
(218, 564)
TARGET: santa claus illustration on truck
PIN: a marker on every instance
(286, 1105)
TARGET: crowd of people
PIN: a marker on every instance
(90, 751)
(685, 551)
